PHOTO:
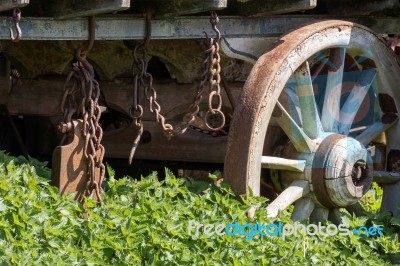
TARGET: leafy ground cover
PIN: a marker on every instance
(145, 222)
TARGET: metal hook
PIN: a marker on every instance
(92, 34)
(17, 19)
(150, 11)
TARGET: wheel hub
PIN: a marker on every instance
(341, 171)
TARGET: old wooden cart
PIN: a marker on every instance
(312, 114)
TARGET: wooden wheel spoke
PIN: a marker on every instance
(308, 107)
(320, 65)
(319, 214)
(300, 140)
(377, 128)
(335, 216)
(283, 164)
(295, 191)
(357, 209)
(290, 101)
(303, 209)
(355, 99)
(330, 110)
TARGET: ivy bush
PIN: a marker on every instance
(146, 221)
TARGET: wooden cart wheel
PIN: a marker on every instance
(332, 88)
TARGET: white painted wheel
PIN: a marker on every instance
(331, 87)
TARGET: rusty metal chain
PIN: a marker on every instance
(214, 118)
(81, 100)
(17, 19)
(143, 79)
(140, 78)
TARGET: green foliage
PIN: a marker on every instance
(146, 221)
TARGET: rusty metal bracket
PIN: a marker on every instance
(70, 167)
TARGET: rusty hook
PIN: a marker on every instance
(92, 34)
(150, 11)
(17, 19)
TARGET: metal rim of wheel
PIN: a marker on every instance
(327, 163)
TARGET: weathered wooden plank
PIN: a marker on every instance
(42, 97)
(8, 4)
(271, 7)
(78, 8)
(355, 7)
(176, 8)
(192, 146)
(131, 28)
(183, 58)
(385, 177)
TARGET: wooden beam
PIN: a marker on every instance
(355, 7)
(271, 7)
(43, 97)
(8, 4)
(192, 146)
(385, 177)
(123, 27)
(78, 8)
(174, 8)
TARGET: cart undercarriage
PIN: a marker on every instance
(312, 114)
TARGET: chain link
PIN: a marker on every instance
(214, 118)
(81, 100)
(142, 78)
